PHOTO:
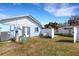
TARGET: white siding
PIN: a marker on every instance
(65, 31)
(25, 22)
(33, 33)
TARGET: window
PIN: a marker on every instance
(65, 28)
(28, 30)
(36, 29)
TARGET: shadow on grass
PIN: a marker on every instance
(69, 35)
(47, 37)
(65, 41)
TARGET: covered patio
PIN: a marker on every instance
(10, 31)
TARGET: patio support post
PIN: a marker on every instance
(17, 34)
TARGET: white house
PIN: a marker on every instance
(23, 25)
(66, 30)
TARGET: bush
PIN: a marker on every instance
(12, 39)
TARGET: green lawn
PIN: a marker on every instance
(58, 46)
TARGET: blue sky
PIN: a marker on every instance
(45, 13)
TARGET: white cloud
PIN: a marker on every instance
(62, 10)
(65, 11)
(3, 16)
(49, 8)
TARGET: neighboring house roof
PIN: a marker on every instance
(69, 27)
(32, 19)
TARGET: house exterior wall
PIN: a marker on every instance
(33, 33)
(65, 31)
(27, 23)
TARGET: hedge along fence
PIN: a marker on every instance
(47, 33)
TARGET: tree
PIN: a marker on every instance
(52, 25)
(74, 20)
(46, 25)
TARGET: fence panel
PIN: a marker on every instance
(48, 32)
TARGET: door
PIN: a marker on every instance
(26, 31)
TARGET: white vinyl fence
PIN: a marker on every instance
(48, 32)
(73, 32)
(76, 34)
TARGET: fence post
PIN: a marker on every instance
(75, 34)
(52, 33)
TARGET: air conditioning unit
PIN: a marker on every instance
(4, 36)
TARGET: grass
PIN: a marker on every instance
(2, 43)
(58, 46)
